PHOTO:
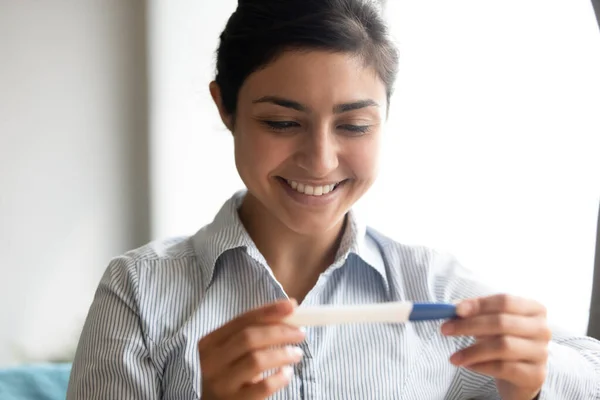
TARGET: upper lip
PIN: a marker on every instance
(313, 183)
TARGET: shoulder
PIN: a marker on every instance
(149, 278)
(167, 258)
(162, 250)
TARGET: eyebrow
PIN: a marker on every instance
(280, 101)
(357, 105)
(337, 109)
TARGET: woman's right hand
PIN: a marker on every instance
(234, 357)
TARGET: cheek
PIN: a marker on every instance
(363, 159)
(257, 155)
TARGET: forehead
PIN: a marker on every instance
(315, 77)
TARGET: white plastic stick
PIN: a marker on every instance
(393, 312)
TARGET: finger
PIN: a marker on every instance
(268, 313)
(500, 303)
(521, 374)
(499, 324)
(245, 370)
(219, 357)
(268, 386)
(501, 348)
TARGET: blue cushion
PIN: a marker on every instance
(35, 382)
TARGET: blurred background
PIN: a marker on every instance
(109, 139)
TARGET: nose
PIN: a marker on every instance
(318, 152)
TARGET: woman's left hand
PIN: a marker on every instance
(511, 342)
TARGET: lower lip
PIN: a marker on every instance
(308, 200)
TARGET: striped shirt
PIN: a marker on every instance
(153, 304)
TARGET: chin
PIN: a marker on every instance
(312, 226)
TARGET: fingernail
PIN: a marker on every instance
(448, 328)
(295, 352)
(302, 329)
(456, 358)
(294, 302)
(287, 371)
(464, 308)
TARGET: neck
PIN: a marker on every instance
(296, 260)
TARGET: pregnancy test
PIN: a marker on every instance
(391, 312)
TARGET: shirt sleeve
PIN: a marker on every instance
(573, 368)
(112, 360)
(573, 362)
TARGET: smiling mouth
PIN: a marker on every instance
(311, 190)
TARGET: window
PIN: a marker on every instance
(492, 142)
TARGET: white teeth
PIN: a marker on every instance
(311, 190)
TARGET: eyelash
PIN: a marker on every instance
(282, 126)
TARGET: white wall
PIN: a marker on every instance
(491, 149)
(193, 171)
(73, 163)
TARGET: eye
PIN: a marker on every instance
(356, 129)
(280, 126)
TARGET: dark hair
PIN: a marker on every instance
(260, 30)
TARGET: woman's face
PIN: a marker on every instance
(307, 136)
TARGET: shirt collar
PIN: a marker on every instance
(226, 232)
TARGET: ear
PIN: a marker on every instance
(215, 92)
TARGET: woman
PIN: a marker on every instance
(304, 87)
